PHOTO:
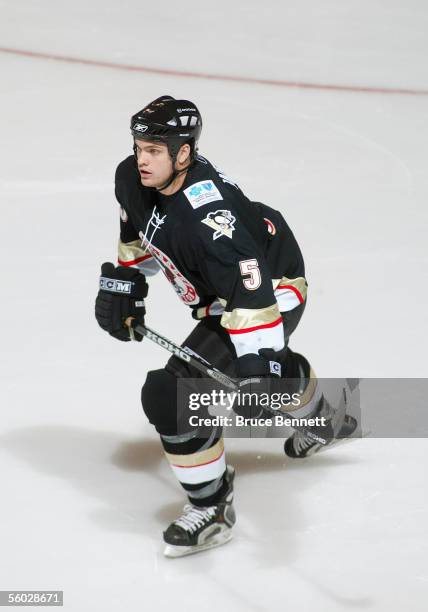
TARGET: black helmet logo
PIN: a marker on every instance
(139, 127)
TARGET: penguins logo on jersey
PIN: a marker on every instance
(222, 221)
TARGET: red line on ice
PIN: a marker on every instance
(214, 77)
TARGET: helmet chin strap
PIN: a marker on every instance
(172, 178)
(175, 174)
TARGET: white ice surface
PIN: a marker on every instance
(85, 491)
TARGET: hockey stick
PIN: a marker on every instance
(203, 366)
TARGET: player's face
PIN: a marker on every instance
(154, 163)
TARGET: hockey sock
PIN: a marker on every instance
(199, 495)
(198, 463)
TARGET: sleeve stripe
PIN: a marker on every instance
(296, 291)
(133, 261)
(250, 329)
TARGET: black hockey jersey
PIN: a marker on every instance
(223, 254)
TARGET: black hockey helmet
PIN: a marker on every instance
(174, 122)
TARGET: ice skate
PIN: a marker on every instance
(339, 426)
(201, 528)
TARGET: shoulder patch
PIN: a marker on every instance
(202, 193)
(222, 222)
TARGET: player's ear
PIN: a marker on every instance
(183, 153)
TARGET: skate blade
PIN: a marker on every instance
(174, 552)
(337, 441)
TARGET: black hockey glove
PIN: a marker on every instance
(121, 295)
(256, 373)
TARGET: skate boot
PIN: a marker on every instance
(201, 528)
(338, 426)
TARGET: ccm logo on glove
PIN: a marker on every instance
(115, 286)
(121, 296)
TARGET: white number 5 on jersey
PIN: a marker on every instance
(250, 268)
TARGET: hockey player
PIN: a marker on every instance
(237, 265)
